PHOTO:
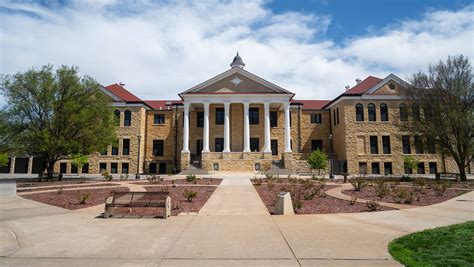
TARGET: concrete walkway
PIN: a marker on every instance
(233, 228)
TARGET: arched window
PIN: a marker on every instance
(403, 112)
(127, 120)
(117, 117)
(371, 110)
(415, 112)
(359, 112)
(383, 112)
(334, 116)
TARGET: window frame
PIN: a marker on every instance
(403, 112)
(383, 112)
(273, 119)
(159, 119)
(377, 164)
(406, 144)
(359, 110)
(127, 118)
(125, 148)
(128, 167)
(116, 117)
(219, 141)
(254, 141)
(419, 149)
(219, 116)
(374, 146)
(315, 118)
(254, 116)
(200, 119)
(371, 112)
(386, 146)
(158, 146)
(316, 143)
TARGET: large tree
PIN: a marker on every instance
(445, 94)
(54, 114)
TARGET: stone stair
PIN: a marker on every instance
(194, 168)
(278, 169)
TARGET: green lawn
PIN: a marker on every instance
(444, 246)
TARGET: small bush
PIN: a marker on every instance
(83, 198)
(322, 182)
(307, 184)
(353, 200)
(190, 178)
(372, 205)
(419, 182)
(60, 190)
(270, 185)
(177, 206)
(411, 197)
(108, 177)
(269, 176)
(358, 183)
(154, 179)
(190, 195)
(257, 181)
(400, 194)
(285, 188)
(381, 188)
(441, 187)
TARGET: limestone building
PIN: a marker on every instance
(240, 122)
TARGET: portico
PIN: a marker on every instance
(234, 111)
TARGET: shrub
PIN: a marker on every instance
(177, 206)
(409, 162)
(190, 195)
(285, 188)
(441, 187)
(108, 177)
(154, 179)
(60, 190)
(190, 178)
(381, 188)
(358, 183)
(83, 198)
(419, 181)
(269, 175)
(322, 182)
(353, 200)
(405, 178)
(372, 205)
(318, 160)
(411, 197)
(270, 185)
(257, 181)
(307, 184)
(296, 196)
(399, 194)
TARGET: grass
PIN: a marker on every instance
(444, 246)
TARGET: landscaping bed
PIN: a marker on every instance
(307, 198)
(66, 181)
(198, 181)
(179, 201)
(443, 246)
(70, 199)
(42, 188)
(418, 194)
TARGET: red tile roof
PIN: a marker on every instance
(122, 93)
(161, 104)
(363, 86)
(312, 104)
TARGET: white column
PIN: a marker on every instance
(186, 128)
(286, 107)
(30, 165)
(12, 165)
(246, 127)
(205, 133)
(226, 127)
(267, 148)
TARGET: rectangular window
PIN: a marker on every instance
(420, 168)
(200, 119)
(375, 168)
(386, 145)
(152, 168)
(103, 152)
(374, 146)
(113, 167)
(274, 146)
(387, 166)
(126, 147)
(337, 115)
(418, 145)
(102, 167)
(430, 145)
(162, 168)
(159, 119)
(254, 145)
(433, 167)
(334, 116)
(85, 168)
(115, 148)
(408, 170)
(220, 116)
(73, 168)
(316, 144)
(290, 119)
(219, 144)
(316, 118)
(362, 167)
(158, 147)
(406, 144)
(124, 167)
(253, 115)
(273, 119)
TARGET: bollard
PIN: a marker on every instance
(284, 205)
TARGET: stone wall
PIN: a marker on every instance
(232, 162)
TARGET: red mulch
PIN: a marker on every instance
(204, 181)
(70, 199)
(42, 188)
(428, 197)
(322, 204)
(34, 182)
(179, 202)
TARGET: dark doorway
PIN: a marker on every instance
(152, 168)
(274, 144)
(62, 167)
(162, 168)
(73, 168)
(38, 165)
(6, 169)
(21, 165)
(85, 168)
(198, 147)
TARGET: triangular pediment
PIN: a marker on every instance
(391, 85)
(237, 81)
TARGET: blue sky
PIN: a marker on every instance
(158, 49)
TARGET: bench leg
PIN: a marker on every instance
(167, 211)
(109, 211)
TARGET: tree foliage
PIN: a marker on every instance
(3, 159)
(409, 162)
(445, 95)
(318, 160)
(54, 114)
(79, 160)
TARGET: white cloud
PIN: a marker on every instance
(161, 49)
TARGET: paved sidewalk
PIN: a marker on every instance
(233, 228)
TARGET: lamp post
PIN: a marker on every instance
(137, 176)
(331, 155)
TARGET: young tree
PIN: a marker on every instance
(80, 160)
(445, 94)
(54, 114)
(3, 159)
(410, 163)
(318, 160)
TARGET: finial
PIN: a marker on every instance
(237, 62)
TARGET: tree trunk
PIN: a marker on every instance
(462, 172)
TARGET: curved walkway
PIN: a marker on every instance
(49, 235)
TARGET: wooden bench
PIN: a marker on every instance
(138, 200)
(448, 175)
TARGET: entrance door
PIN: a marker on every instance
(274, 144)
(162, 168)
(198, 147)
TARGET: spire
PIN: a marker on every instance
(237, 62)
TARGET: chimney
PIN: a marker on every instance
(358, 80)
(121, 84)
(348, 87)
